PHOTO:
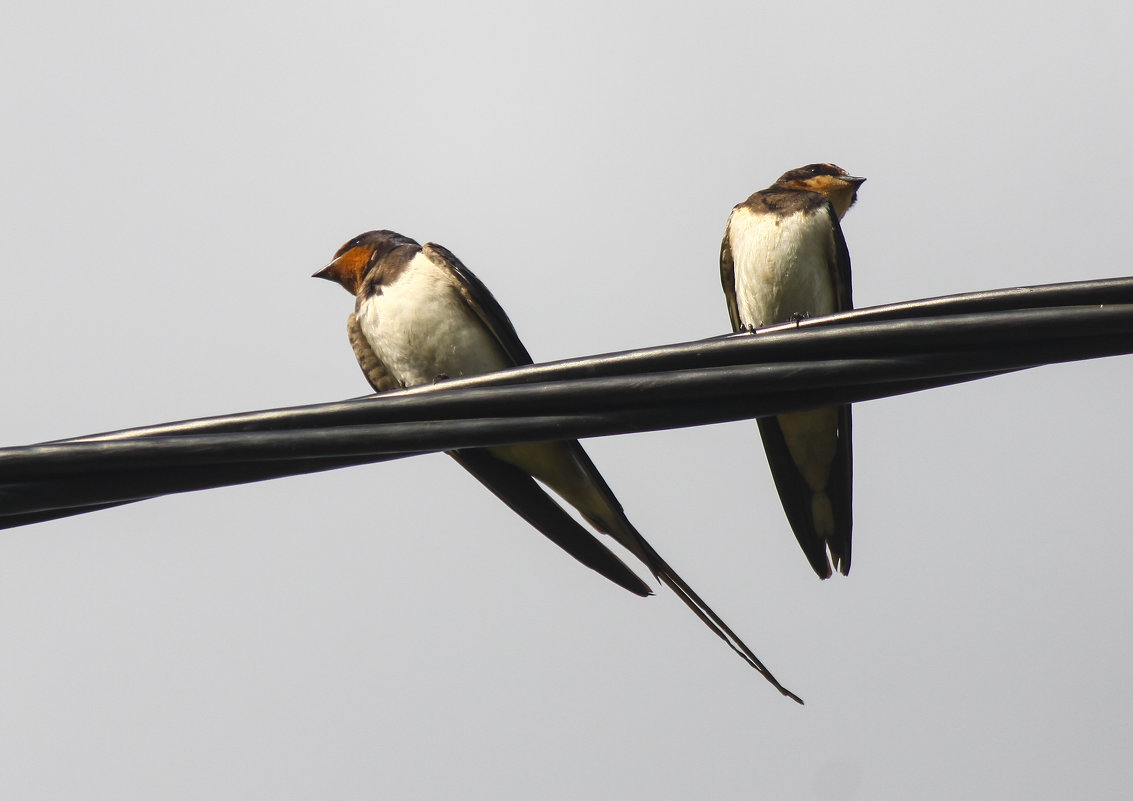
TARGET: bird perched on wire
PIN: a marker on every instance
(420, 315)
(784, 257)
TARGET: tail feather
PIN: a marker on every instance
(821, 519)
(520, 492)
(669, 577)
(822, 514)
(596, 503)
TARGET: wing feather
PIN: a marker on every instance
(728, 276)
(375, 370)
(482, 302)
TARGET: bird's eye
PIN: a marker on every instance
(812, 169)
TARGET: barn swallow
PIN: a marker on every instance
(420, 315)
(784, 257)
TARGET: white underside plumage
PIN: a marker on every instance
(782, 265)
(423, 330)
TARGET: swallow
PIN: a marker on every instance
(421, 316)
(783, 258)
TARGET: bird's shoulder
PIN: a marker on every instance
(480, 300)
(779, 202)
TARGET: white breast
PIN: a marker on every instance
(782, 265)
(422, 330)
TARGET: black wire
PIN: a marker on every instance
(855, 356)
(35, 501)
(807, 343)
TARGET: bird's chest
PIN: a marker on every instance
(420, 327)
(782, 266)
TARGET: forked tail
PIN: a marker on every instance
(607, 516)
(667, 576)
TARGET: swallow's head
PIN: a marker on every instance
(354, 259)
(839, 187)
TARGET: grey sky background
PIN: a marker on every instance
(172, 175)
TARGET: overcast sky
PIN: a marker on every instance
(171, 176)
